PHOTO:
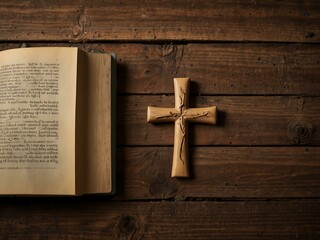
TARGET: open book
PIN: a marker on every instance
(56, 121)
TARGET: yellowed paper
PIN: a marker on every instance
(94, 172)
(37, 121)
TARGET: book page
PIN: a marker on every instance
(94, 172)
(37, 121)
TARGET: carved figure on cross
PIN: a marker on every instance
(181, 114)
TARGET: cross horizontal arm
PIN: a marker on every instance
(159, 114)
(201, 115)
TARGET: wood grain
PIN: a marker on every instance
(258, 61)
(98, 219)
(241, 120)
(284, 21)
(242, 69)
(214, 68)
(220, 172)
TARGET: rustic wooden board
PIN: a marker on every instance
(220, 68)
(286, 21)
(237, 69)
(98, 219)
(254, 176)
(242, 120)
(220, 172)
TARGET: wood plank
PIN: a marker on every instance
(285, 21)
(83, 219)
(220, 172)
(220, 68)
(264, 69)
(242, 120)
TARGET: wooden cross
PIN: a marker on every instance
(181, 114)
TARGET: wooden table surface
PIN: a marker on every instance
(255, 175)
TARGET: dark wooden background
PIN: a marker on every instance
(256, 175)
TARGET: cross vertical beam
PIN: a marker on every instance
(181, 114)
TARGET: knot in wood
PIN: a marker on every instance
(300, 131)
(76, 30)
(127, 225)
(82, 27)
